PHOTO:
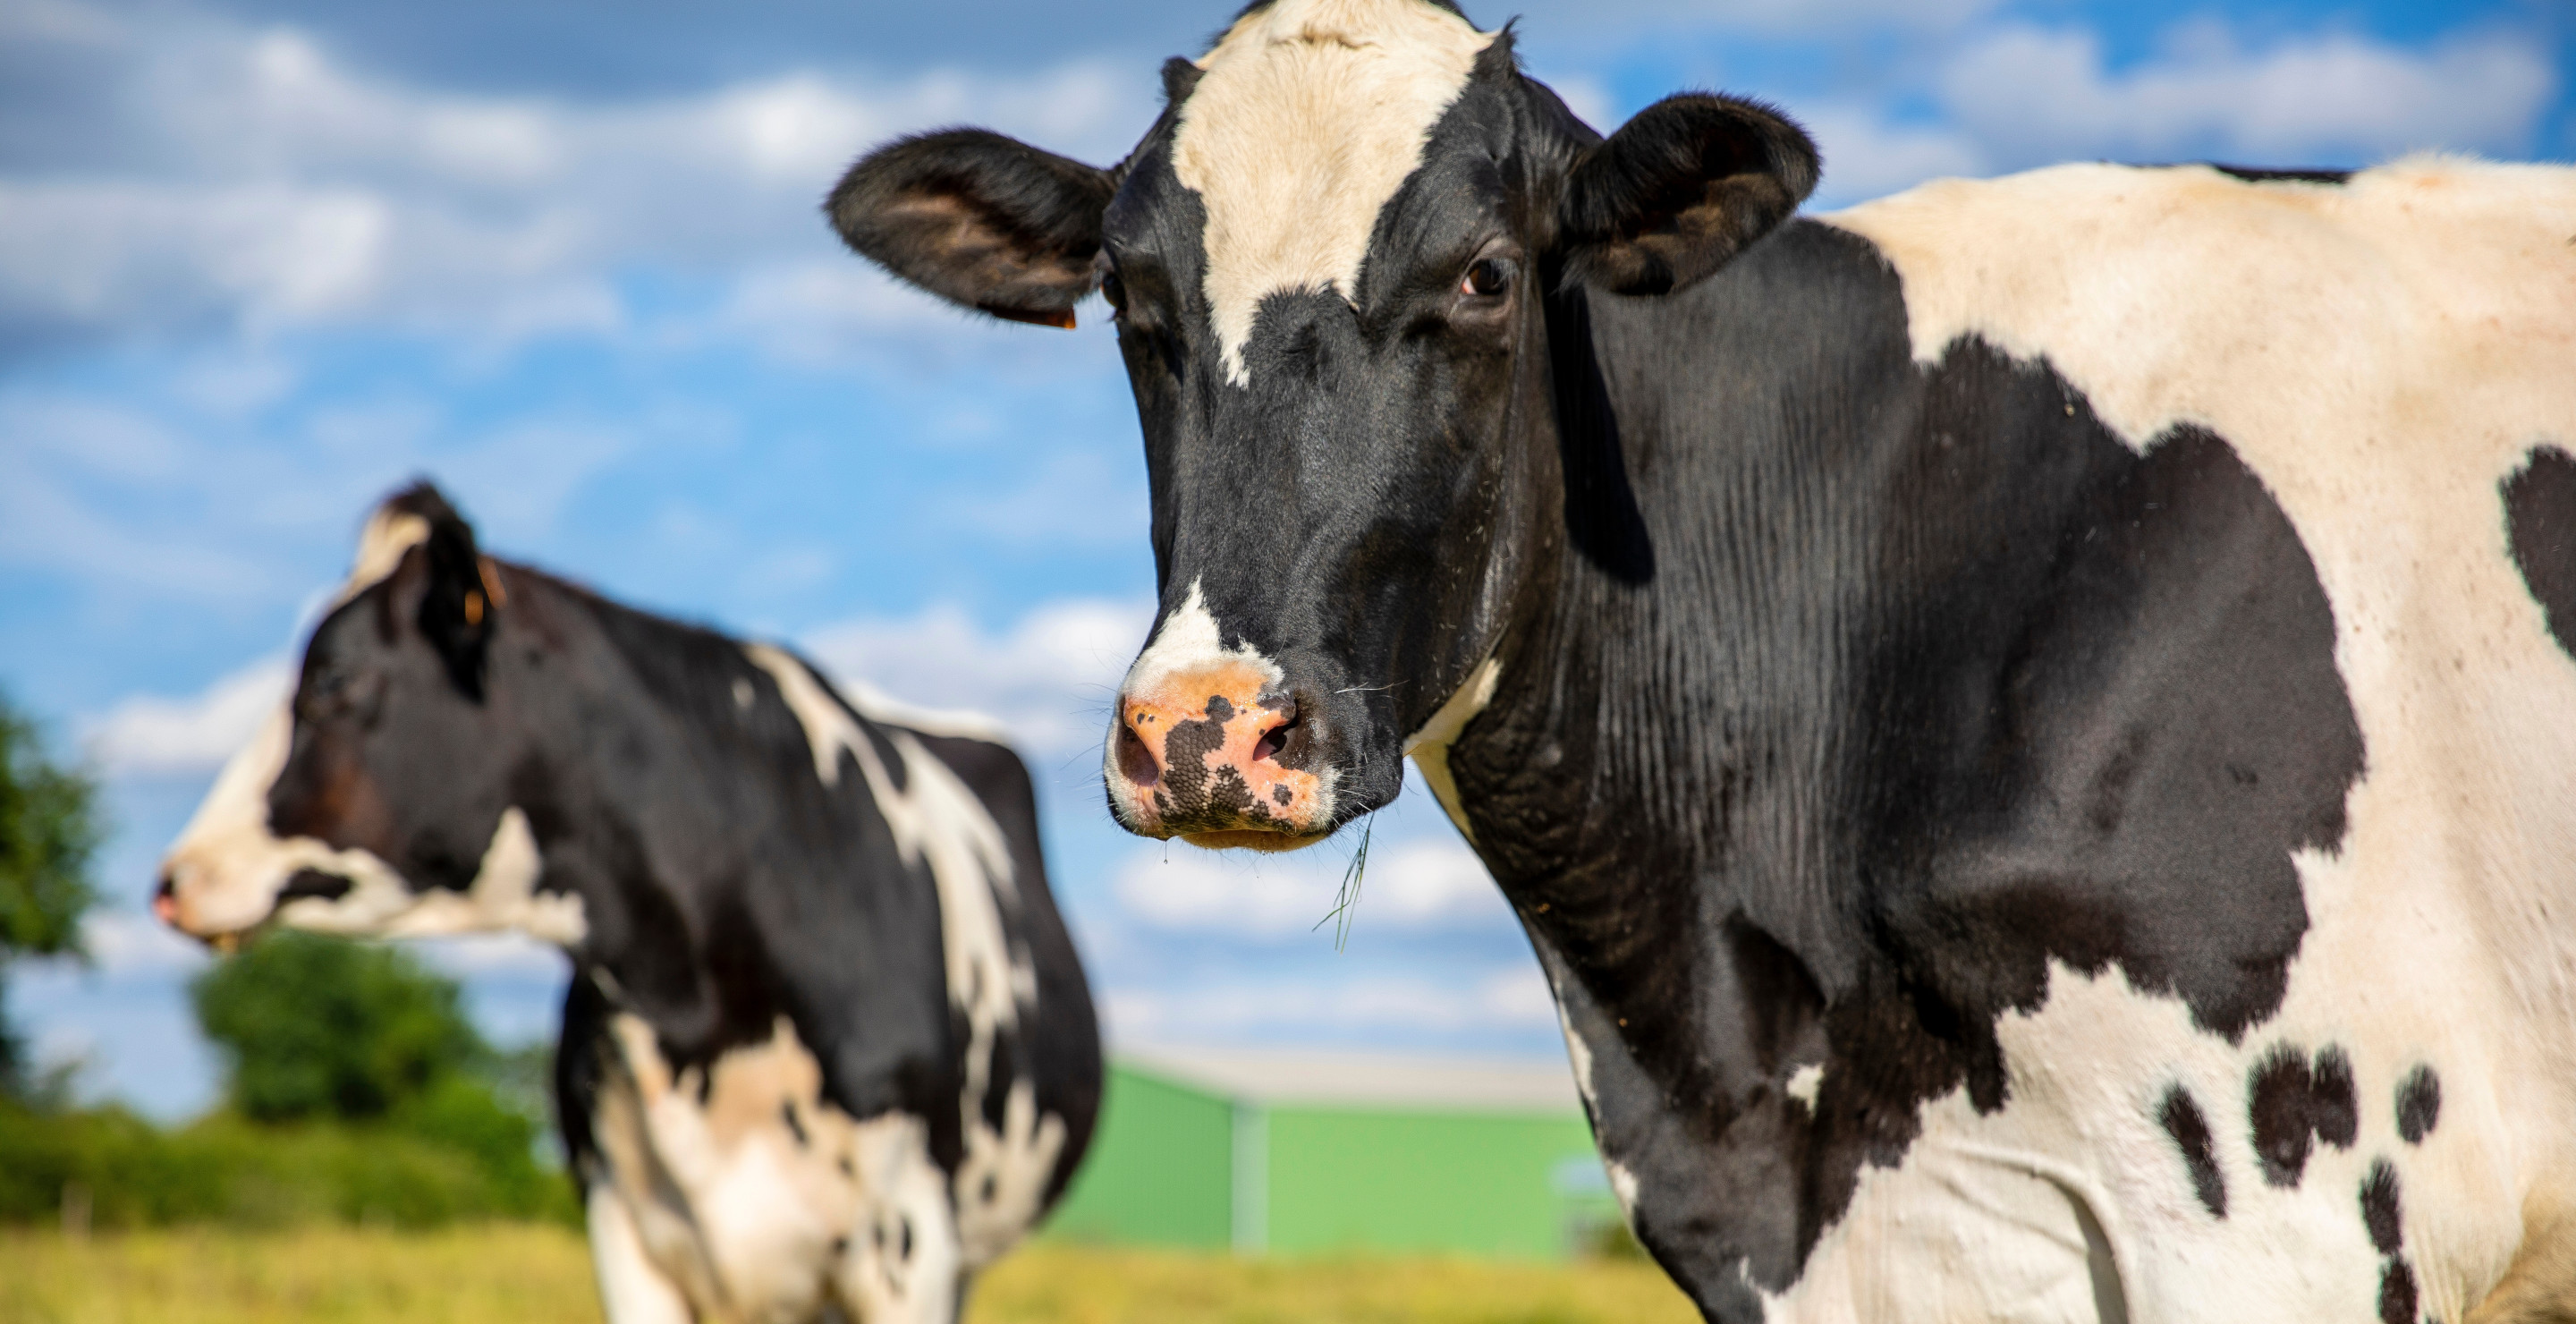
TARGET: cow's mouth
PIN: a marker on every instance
(302, 885)
(1261, 839)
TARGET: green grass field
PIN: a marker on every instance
(541, 1275)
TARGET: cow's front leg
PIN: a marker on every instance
(632, 1289)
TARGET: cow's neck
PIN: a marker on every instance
(1664, 784)
(1665, 781)
(1846, 711)
(1675, 701)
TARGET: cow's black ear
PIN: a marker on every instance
(1679, 190)
(462, 603)
(978, 219)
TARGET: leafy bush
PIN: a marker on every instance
(229, 1170)
(49, 829)
(356, 1092)
(322, 1027)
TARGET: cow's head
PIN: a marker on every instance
(377, 800)
(1337, 262)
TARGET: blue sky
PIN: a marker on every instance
(260, 262)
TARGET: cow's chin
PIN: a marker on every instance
(1253, 839)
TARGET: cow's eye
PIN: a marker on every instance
(1112, 288)
(1487, 279)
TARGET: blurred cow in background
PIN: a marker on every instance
(827, 1050)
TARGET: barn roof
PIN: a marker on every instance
(1364, 1080)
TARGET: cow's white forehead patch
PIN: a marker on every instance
(1310, 116)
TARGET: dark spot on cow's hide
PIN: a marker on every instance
(2419, 1104)
(2334, 1106)
(2379, 1210)
(1281, 795)
(991, 1189)
(847, 1168)
(2184, 1121)
(2383, 1217)
(795, 1125)
(2153, 706)
(2278, 1108)
(2397, 1293)
(2291, 1103)
(315, 884)
(903, 1248)
(2540, 523)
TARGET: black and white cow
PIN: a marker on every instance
(2029, 723)
(827, 1049)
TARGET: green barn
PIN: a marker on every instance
(1303, 1153)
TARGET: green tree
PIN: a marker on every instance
(316, 1027)
(49, 831)
(356, 1035)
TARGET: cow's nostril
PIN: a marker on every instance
(165, 902)
(1273, 740)
(1134, 759)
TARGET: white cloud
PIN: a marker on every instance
(1428, 884)
(259, 183)
(1047, 679)
(57, 21)
(834, 308)
(149, 734)
(1630, 20)
(2037, 94)
(92, 437)
(1504, 998)
(1866, 156)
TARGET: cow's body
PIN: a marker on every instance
(2022, 720)
(2084, 683)
(827, 1050)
